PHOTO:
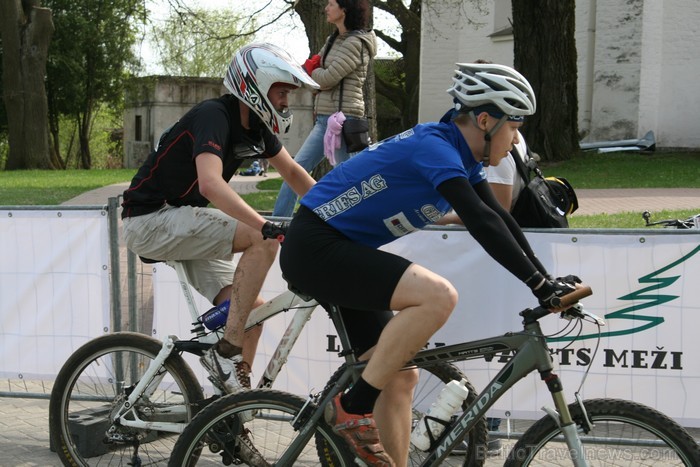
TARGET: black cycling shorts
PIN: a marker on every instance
(322, 262)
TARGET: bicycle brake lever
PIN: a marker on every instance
(598, 320)
(577, 311)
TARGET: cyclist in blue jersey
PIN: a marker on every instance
(389, 190)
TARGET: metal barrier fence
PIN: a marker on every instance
(131, 293)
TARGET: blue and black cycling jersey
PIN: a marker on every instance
(390, 189)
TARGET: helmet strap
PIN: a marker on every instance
(486, 158)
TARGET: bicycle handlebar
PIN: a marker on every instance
(531, 315)
(676, 223)
(581, 292)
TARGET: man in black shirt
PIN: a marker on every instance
(165, 208)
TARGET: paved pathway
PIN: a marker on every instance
(24, 422)
(608, 201)
(242, 185)
(616, 200)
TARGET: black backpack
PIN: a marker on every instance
(544, 202)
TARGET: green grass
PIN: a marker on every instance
(630, 170)
(614, 170)
(263, 201)
(51, 187)
(626, 220)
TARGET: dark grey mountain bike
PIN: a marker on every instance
(291, 431)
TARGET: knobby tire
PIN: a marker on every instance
(95, 380)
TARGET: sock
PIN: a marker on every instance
(226, 349)
(360, 398)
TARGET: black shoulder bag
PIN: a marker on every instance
(355, 129)
(543, 202)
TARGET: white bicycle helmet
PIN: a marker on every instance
(479, 84)
(497, 89)
(253, 70)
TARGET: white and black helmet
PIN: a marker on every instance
(481, 84)
(252, 72)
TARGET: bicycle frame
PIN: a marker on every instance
(531, 353)
(152, 376)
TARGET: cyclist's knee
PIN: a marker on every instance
(442, 300)
(247, 239)
(403, 382)
(408, 379)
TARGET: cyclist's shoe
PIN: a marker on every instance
(359, 432)
(247, 452)
(233, 373)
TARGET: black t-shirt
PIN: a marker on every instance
(169, 174)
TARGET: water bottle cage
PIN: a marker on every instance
(427, 418)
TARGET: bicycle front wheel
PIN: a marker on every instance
(215, 436)
(96, 380)
(624, 433)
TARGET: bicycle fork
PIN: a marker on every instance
(561, 413)
(562, 417)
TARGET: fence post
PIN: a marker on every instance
(112, 211)
(131, 289)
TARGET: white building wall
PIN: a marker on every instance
(636, 62)
(652, 65)
(161, 101)
(617, 71)
(448, 37)
(679, 99)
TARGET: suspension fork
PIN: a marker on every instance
(562, 416)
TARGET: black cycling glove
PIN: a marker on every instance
(550, 292)
(570, 279)
(274, 231)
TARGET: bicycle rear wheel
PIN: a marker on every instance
(214, 436)
(96, 380)
(472, 451)
(624, 433)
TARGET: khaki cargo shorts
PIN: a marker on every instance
(201, 238)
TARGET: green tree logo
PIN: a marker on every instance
(648, 296)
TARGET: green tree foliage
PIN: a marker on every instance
(106, 134)
(199, 42)
(402, 92)
(91, 52)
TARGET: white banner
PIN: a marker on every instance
(54, 287)
(54, 296)
(645, 286)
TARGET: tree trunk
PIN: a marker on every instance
(313, 16)
(84, 141)
(545, 53)
(411, 37)
(26, 31)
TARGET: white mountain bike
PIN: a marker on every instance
(123, 398)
